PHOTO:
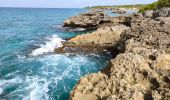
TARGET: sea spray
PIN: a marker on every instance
(52, 43)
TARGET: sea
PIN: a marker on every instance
(29, 67)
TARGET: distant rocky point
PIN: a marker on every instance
(93, 20)
(118, 11)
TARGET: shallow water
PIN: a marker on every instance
(29, 70)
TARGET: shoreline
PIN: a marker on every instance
(140, 64)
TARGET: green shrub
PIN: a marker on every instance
(156, 5)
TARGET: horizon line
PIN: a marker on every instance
(45, 7)
(71, 7)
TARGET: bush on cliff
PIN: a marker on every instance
(156, 5)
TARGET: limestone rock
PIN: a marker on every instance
(93, 20)
(86, 20)
(164, 12)
(141, 72)
(103, 36)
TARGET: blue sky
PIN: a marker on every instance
(67, 3)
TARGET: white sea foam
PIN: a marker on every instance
(6, 83)
(52, 43)
(1, 90)
(37, 87)
(56, 71)
(39, 90)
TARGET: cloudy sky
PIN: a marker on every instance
(67, 3)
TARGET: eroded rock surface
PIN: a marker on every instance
(100, 41)
(93, 20)
(141, 72)
(164, 12)
(103, 36)
(86, 20)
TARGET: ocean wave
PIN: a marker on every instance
(52, 43)
(34, 88)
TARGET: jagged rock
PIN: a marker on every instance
(165, 22)
(94, 20)
(103, 36)
(100, 41)
(126, 20)
(131, 76)
(164, 12)
(86, 20)
(150, 32)
(141, 72)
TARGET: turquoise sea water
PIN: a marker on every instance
(29, 70)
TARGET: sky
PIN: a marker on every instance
(68, 3)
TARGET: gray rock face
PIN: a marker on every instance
(164, 12)
(86, 20)
(94, 20)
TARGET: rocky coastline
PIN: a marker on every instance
(140, 69)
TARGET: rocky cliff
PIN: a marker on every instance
(141, 68)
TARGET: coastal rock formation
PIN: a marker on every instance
(93, 20)
(125, 20)
(103, 36)
(118, 11)
(164, 12)
(100, 41)
(96, 19)
(86, 20)
(141, 72)
(130, 77)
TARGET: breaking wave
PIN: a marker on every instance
(52, 43)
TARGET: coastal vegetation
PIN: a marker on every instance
(156, 5)
(142, 7)
(138, 6)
